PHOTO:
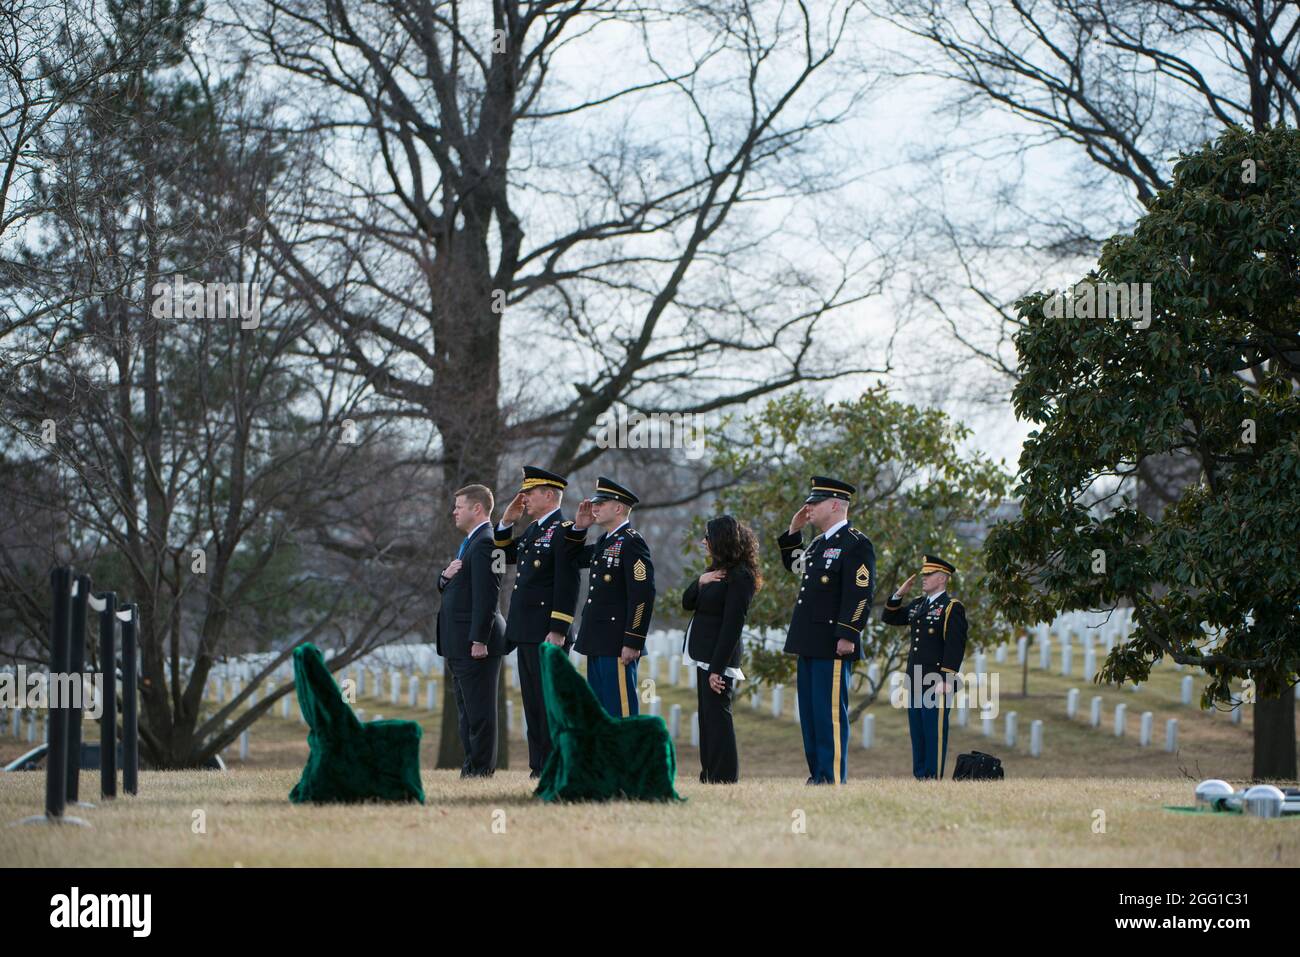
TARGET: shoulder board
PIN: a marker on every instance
(632, 531)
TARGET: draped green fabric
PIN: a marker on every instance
(595, 757)
(350, 761)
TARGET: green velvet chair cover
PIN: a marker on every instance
(595, 757)
(350, 761)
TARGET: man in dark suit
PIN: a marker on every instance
(937, 624)
(471, 632)
(620, 596)
(837, 579)
(545, 593)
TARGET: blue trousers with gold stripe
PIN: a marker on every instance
(929, 727)
(824, 717)
(614, 684)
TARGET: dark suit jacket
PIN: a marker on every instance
(469, 602)
(720, 608)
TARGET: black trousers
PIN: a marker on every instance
(475, 683)
(529, 659)
(719, 763)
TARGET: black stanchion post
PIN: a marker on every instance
(56, 756)
(108, 720)
(130, 697)
(77, 666)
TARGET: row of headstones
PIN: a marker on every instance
(1120, 720)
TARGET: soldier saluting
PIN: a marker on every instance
(937, 624)
(620, 595)
(837, 578)
(545, 593)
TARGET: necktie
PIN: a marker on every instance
(461, 551)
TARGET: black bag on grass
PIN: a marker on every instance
(977, 766)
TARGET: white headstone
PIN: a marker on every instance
(1000, 653)
(284, 707)
(873, 674)
(868, 730)
(694, 679)
(1012, 720)
(243, 745)
(654, 668)
(1094, 716)
(221, 689)
(1089, 663)
(13, 723)
(430, 693)
(1022, 648)
(695, 729)
(675, 721)
(981, 663)
(777, 694)
(1071, 702)
(514, 674)
(395, 687)
(795, 708)
(1036, 739)
(510, 716)
(756, 699)
(1045, 654)
(1144, 730)
(656, 706)
(31, 727)
(674, 669)
(1067, 659)
(1171, 735)
(413, 691)
(1121, 718)
(1186, 685)
(1236, 714)
(988, 727)
(963, 716)
(360, 674)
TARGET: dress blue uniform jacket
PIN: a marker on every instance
(938, 633)
(835, 591)
(621, 593)
(546, 586)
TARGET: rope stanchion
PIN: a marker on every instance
(77, 666)
(130, 701)
(107, 608)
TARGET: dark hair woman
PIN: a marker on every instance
(720, 599)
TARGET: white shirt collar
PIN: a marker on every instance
(626, 521)
(474, 531)
(931, 599)
(542, 521)
(832, 530)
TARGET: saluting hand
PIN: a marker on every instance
(513, 510)
(904, 588)
(582, 521)
(800, 519)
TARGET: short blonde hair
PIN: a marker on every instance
(480, 494)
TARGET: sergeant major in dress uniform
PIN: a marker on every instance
(620, 596)
(545, 592)
(937, 625)
(837, 578)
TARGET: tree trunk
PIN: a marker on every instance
(1275, 741)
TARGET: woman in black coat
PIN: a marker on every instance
(720, 599)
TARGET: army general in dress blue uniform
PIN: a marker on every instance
(837, 575)
(936, 624)
(620, 595)
(545, 593)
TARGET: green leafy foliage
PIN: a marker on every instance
(1214, 377)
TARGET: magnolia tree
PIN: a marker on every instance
(1210, 371)
(918, 492)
